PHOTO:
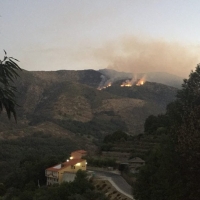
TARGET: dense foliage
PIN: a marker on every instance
(110, 139)
(37, 151)
(8, 73)
(93, 127)
(172, 171)
(101, 162)
(22, 169)
(80, 189)
(156, 124)
(116, 136)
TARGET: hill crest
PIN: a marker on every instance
(70, 99)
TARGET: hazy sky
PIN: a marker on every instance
(128, 35)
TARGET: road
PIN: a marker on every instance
(117, 181)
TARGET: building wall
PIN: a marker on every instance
(52, 180)
(68, 177)
(52, 177)
(72, 169)
(57, 177)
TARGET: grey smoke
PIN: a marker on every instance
(142, 55)
(103, 81)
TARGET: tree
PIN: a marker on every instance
(81, 182)
(161, 177)
(8, 74)
(154, 124)
(116, 136)
(173, 172)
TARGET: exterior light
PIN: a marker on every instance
(71, 158)
(78, 164)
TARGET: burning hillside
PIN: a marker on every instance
(130, 83)
(127, 83)
(141, 82)
(105, 86)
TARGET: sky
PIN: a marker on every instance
(125, 35)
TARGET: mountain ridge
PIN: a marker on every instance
(70, 99)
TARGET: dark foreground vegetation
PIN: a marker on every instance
(80, 189)
(23, 161)
(172, 170)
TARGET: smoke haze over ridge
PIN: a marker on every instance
(137, 55)
(131, 54)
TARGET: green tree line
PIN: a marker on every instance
(79, 189)
(172, 170)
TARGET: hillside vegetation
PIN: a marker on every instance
(172, 169)
(70, 99)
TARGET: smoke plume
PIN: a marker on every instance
(102, 83)
(137, 55)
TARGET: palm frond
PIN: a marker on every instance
(8, 74)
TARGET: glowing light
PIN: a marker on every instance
(140, 82)
(78, 164)
(105, 86)
(127, 83)
(71, 158)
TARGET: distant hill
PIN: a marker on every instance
(157, 77)
(165, 78)
(70, 100)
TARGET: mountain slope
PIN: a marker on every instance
(70, 99)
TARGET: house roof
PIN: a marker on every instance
(80, 151)
(136, 160)
(58, 167)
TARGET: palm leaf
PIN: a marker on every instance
(8, 73)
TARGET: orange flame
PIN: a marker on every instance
(128, 83)
(105, 86)
(141, 81)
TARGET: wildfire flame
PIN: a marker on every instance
(105, 86)
(140, 82)
(129, 83)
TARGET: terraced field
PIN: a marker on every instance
(138, 146)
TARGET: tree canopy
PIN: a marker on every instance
(172, 171)
(8, 74)
(116, 136)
